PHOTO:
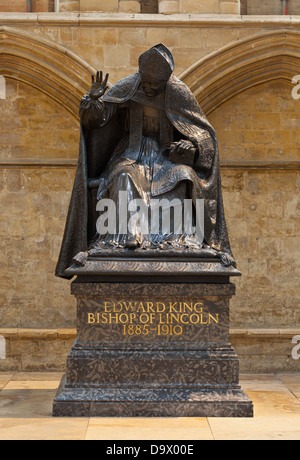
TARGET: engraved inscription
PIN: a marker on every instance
(145, 317)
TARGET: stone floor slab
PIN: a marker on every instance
(292, 382)
(260, 428)
(26, 403)
(4, 379)
(26, 406)
(147, 429)
(42, 429)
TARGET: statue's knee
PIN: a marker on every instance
(124, 178)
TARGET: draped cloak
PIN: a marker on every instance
(98, 143)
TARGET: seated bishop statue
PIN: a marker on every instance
(147, 151)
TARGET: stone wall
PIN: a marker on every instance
(21, 5)
(162, 6)
(67, 5)
(262, 205)
(270, 7)
(264, 7)
(241, 72)
(252, 7)
(128, 6)
(33, 202)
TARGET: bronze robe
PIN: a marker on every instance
(120, 121)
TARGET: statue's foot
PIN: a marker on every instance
(132, 242)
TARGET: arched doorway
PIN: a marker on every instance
(38, 152)
(243, 64)
(45, 65)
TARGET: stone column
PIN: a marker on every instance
(243, 7)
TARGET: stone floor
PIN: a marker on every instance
(26, 404)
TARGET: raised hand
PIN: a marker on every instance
(99, 86)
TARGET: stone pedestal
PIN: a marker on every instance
(153, 340)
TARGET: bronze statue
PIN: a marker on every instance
(148, 137)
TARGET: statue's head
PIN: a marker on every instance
(155, 67)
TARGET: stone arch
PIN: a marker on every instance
(45, 65)
(243, 64)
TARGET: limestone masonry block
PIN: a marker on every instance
(199, 6)
(169, 7)
(17, 6)
(229, 8)
(40, 5)
(69, 5)
(99, 5)
(129, 6)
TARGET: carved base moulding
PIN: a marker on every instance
(148, 346)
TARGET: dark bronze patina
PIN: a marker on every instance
(147, 136)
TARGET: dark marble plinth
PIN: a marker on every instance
(150, 345)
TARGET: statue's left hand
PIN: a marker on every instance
(182, 152)
(99, 86)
